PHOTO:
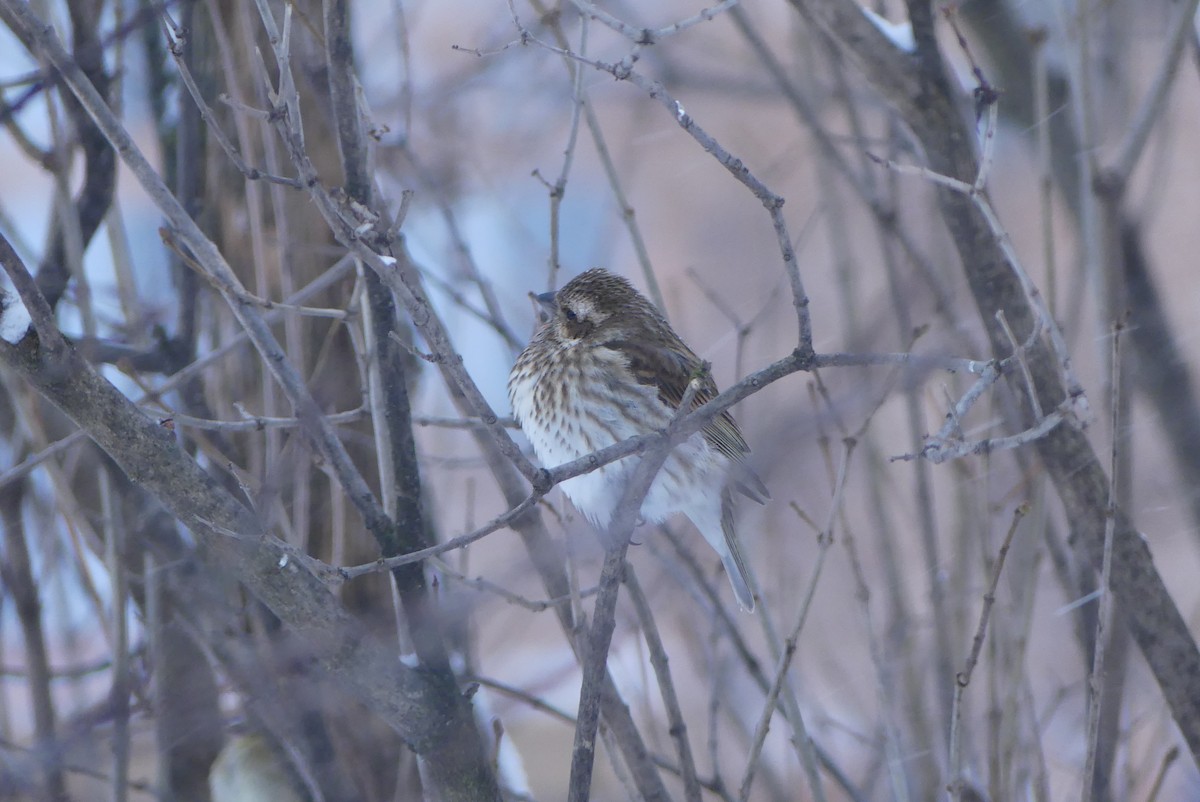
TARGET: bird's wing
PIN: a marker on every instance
(669, 370)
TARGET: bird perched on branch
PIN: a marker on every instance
(604, 366)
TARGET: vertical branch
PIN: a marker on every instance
(924, 490)
(152, 601)
(17, 575)
(99, 168)
(596, 640)
(628, 215)
(593, 647)
(558, 189)
(119, 695)
(1119, 381)
(1083, 108)
(1041, 95)
(410, 528)
(666, 686)
(1104, 618)
(963, 678)
(394, 420)
(189, 164)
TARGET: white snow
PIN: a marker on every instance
(14, 317)
(898, 33)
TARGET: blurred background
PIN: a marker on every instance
(516, 168)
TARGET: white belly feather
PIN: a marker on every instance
(557, 439)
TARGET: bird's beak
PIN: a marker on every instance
(546, 307)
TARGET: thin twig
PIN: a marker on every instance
(649, 36)
(824, 540)
(485, 586)
(1019, 353)
(526, 697)
(558, 189)
(963, 678)
(1148, 113)
(666, 686)
(1104, 617)
(1078, 406)
(885, 214)
(345, 574)
(623, 71)
(434, 187)
(254, 423)
(1168, 759)
(175, 45)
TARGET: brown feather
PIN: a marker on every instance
(618, 317)
(670, 369)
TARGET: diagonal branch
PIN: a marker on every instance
(234, 543)
(206, 254)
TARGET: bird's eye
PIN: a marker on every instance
(569, 314)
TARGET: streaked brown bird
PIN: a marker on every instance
(604, 366)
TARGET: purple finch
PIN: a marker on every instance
(604, 366)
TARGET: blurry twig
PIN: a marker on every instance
(470, 268)
(649, 36)
(558, 189)
(801, 739)
(176, 39)
(461, 300)
(1104, 618)
(963, 679)
(623, 71)
(524, 696)
(885, 214)
(74, 768)
(706, 594)
(486, 586)
(628, 214)
(1148, 113)
(1168, 759)
(666, 686)
(255, 423)
(1075, 404)
(16, 573)
(339, 574)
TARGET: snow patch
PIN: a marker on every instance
(898, 33)
(14, 318)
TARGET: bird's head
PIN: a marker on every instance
(598, 306)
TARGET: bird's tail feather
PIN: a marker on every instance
(731, 558)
